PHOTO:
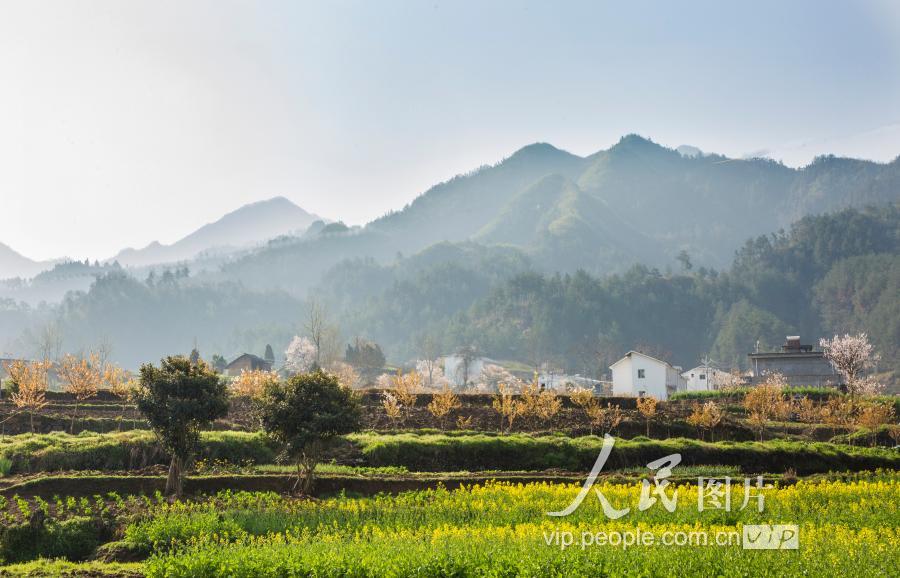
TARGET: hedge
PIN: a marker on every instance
(123, 450)
(436, 452)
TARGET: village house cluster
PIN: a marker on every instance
(639, 374)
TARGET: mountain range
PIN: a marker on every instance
(243, 228)
(13, 264)
(247, 226)
(636, 202)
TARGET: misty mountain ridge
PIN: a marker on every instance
(635, 202)
(249, 225)
(14, 264)
(689, 151)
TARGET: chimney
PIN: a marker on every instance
(792, 345)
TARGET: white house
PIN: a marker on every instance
(704, 377)
(639, 374)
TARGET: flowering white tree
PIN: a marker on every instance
(866, 386)
(433, 373)
(493, 375)
(300, 355)
(384, 381)
(851, 355)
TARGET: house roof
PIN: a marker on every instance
(703, 367)
(633, 352)
(254, 359)
(785, 354)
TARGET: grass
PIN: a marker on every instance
(42, 568)
(738, 393)
(122, 450)
(438, 452)
(400, 471)
(336, 469)
(430, 451)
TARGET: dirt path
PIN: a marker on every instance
(49, 486)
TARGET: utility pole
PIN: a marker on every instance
(707, 363)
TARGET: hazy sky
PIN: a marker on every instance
(122, 122)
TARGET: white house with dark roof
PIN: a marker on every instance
(638, 374)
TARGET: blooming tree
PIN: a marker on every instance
(404, 387)
(432, 373)
(121, 384)
(30, 379)
(442, 404)
(705, 417)
(766, 402)
(606, 418)
(392, 407)
(346, 375)
(300, 355)
(253, 383)
(647, 407)
(851, 355)
(493, 375)
(506, 405)
(81, 377)
(384, 381)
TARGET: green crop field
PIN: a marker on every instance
(502, 530)
(846, 527)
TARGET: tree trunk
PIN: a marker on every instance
(174, 481)
(74, 415)
(296, 485)
(308, 479)
(306, 467)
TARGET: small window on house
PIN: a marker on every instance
(702, 376)
(640, 374)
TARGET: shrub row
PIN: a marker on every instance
(373, 398)
(122, 450)
(737, 394)
(436, 452)
(51, 422)
(817, 393)
(443, 452)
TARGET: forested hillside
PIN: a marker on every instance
(838, 272)
(833, 273)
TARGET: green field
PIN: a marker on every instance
(441, 452)
(498, 529)
(404, 522)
